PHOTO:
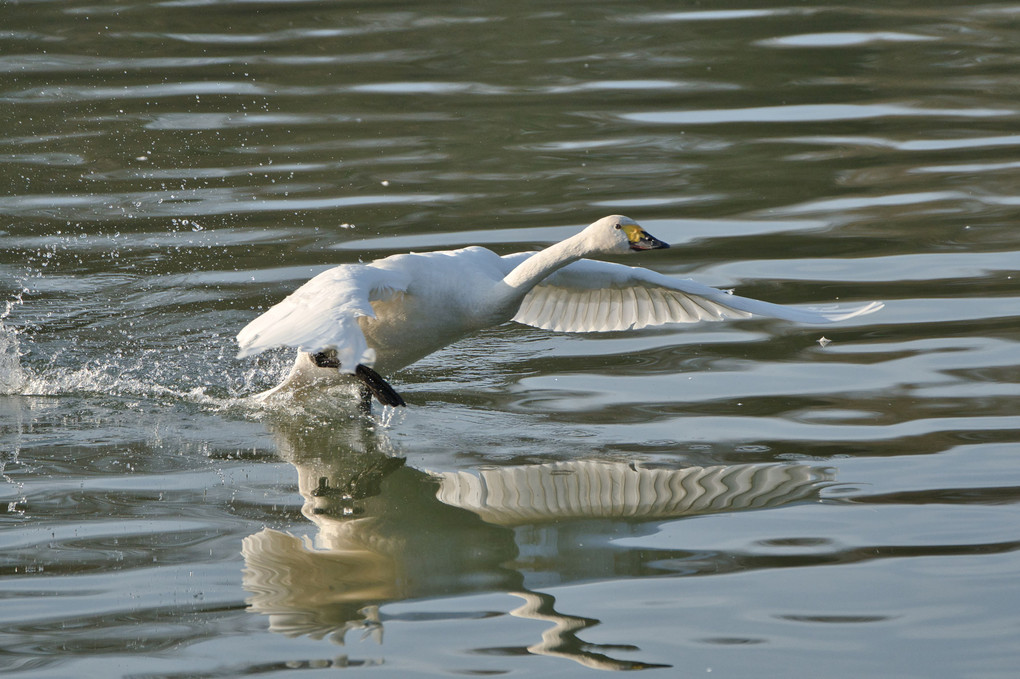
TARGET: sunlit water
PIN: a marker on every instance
(740, 499)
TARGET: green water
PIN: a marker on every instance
(725, 499)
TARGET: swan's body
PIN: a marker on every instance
(396, 310)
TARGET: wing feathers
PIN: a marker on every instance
(323, 314)
(592, 296)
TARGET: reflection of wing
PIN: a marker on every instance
(323, 314)
(592, 296)
(416, 540)
(593, 489)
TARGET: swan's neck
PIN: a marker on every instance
(536, 268)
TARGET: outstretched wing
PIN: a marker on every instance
(323, 314)
(593, 296)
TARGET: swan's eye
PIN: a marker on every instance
(619, 226)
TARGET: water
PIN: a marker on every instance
(740, 499)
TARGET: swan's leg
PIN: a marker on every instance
(364, 399)
(379, 387)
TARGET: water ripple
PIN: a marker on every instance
(175, 167)
(190, 202)
(810, 113)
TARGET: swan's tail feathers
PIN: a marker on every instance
(380, 388)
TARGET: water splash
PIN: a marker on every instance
(11, 381)
(12, 375)
(202, 378)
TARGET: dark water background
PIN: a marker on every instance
(729, 500)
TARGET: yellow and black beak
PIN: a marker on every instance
(642, 240)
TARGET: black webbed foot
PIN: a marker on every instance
(378, 387)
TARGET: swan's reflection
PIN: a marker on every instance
(389, 532)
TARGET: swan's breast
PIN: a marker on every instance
(449, 295)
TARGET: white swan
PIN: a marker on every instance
(396, 310)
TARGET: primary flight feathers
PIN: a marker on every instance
(591, 296)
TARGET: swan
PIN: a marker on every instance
(357, 320)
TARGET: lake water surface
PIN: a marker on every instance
(738, 499)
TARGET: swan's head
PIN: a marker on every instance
(617, 233)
